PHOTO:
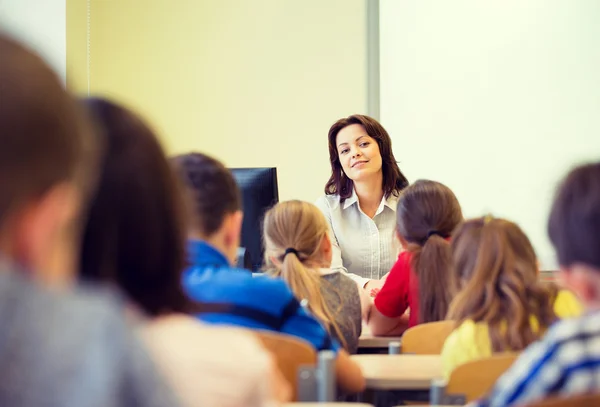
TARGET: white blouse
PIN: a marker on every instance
(363, 247)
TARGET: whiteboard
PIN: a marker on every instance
(496, 99)
(41, 25)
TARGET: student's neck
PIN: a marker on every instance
(592, 302)
(20, 257)
(215, 241)
(370, 194)
(587, 287)
(592, 307)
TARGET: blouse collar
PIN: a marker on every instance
(391, 202)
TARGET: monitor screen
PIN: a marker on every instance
(259, 191)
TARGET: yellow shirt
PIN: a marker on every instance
(471, 340)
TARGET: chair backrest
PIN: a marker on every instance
(583, 400)
(290, 353)
(426, 339)
(475, 378)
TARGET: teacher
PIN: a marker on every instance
(360, 199)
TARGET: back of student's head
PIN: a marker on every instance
(135, 235)
(574, 223)
(213, 199)
(496, 274)
(46, 152)
(212, 190)
(296, 246)
(427, 213)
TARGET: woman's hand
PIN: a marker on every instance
(373, 287)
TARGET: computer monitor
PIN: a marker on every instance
(259, 193)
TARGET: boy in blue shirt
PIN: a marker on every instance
(232, 296)
(566, 361)
(227, 295)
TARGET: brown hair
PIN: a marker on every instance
(135, 234)
(574, 223)
(45, 138)
(211, 189)
(393, 179)
(302, 227)
(496, 268)
(427, 214)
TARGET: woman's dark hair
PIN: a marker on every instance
(393, 179)
(427, 214)
(211, 189)
(574, 223)
(135, 234)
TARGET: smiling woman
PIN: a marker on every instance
(360, 199)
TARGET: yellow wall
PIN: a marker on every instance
(77, 45)
(254, 83)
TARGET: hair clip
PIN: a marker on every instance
(487, 218)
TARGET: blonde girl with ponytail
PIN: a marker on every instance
(298, 250)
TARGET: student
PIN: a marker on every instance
(502, 304)
(232, 296)
(297, 246)
(61, 346)
(135, 239)
(566, 361)
(360, 199)
(427, 214)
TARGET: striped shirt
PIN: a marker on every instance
(566, 361)
(362, 246)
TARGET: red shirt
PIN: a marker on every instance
(400, 291)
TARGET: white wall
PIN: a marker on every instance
(497, 99)
(41, 24)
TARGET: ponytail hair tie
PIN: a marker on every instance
(290, 250)
(434, 232)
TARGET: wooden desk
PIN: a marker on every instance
(399, 372)
(367, 340)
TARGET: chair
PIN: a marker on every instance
(583, 400)
(427, 339)
(290, 354)
(471, 380)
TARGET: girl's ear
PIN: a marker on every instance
(274, 261)
(236, 227)
(326, 251)
(402, 241)
(326, 245)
